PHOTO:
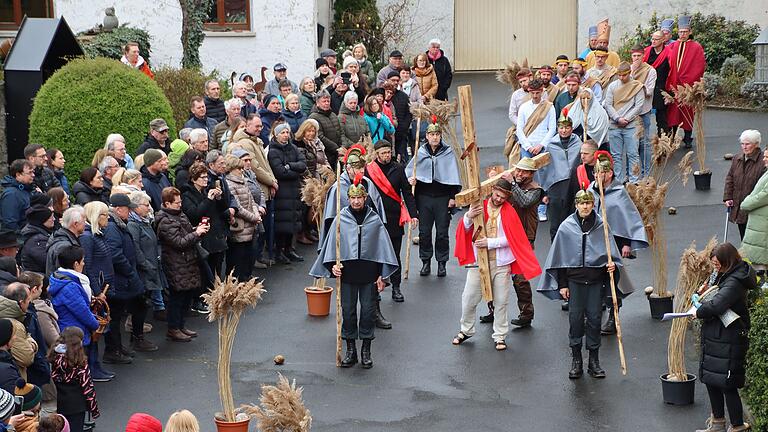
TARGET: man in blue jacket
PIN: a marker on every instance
(199, 118)
(18, 187)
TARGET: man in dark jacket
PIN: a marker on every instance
(18, 187)
(153, 176)
(9, 373)
(157, 138)
(226, 206)
(330, 130)
(401, 102)
(442, 69)
(127, 294)
(338, 90)
(214, 106)
(108, 167)
(44, 176)
(72, 226)
(199, 117)
(34, 237)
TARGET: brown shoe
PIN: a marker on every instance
(301, 238)
(188, 332)
(177, 335)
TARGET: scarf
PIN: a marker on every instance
(140, 61)
(436, 56)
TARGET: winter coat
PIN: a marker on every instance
(195, 205)
(39, 373)
(313, 154)
(353, 126)
(755, 243)
(151, 142)
(402, 104)
(147, 252)
(379, 128)
(9, 373)
(63, 180)
(259, 164)
(70, 301)
(6, 279)
(444, 75)
(218, 132)
(60, 239)
(740, 180)
(45, 179)
(127, 283)
(14, 202)
(32, 253)
(289, 167)
(329, 133)
(427, 80)
(207, 123)
(724, 349)
(294, 119)
(307, 101)
(214, 109)
(84, 193)
(154, 185)
(246, 217)
(48, 319)
(98, 260)
(23, 346)
(178, 246)
(267, 118)
(366, 68)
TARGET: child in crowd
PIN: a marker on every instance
(70, 373)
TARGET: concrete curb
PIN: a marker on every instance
(732, 108)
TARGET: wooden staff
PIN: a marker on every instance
(413, 192)
(338, 263)
(613, 284)
(584, 108)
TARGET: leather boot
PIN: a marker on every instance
(365, 355)
(688, 139)
(426, 269)
(381, 322)
(441, 269)
(142, 344)
(397, 295)
(577, 363)
(488, 318)
(609, 327)
(594, 369)
(350, 358)
(177, 335)
(713, 425)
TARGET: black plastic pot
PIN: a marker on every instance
(702, 180)
(660, 306)
(678, 392)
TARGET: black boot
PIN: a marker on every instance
(426, 269)
(397, 295)
(688, 140)
(609, 327)
(577, 363)
(594, 369)
(381, 322)
(365, 355)
(350, 359)
(488, 318)
(441, 269)
(564, 306)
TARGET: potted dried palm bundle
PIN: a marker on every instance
(314, 193)
(694, 96)
(227, 301)
(677, 385)
(649, 195)
(281, 408)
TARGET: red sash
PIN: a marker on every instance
(382, 182)
(659, 59)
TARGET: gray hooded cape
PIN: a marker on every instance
(565, 252)
(438, 168)
(368, 241)
(562, 162)
(623, 217)
(329, 212)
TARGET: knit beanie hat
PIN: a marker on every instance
(320, 62)
(31, 393)
(141, 422)
(6, 403)
(151, 156)
(37, 215)
(281, 127)
(349, 60)
(6, 331)
(40, 200)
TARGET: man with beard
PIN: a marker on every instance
(401, 102)
(521, 95)
(508, 253)
(399, 205)
(645, 74)
(550, 91)
(577, 270)
(366, 258)
(623, 103)
(601, 72)
(580, 67)
(657, 55)
(687, 65)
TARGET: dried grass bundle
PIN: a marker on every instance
(508, 75)
(370, 153)
(282, 408)
(227, 301)
(695, 268)
(693, 96)
(420, 111)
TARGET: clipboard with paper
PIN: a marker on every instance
(727, 317)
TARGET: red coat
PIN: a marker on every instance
(525, 262)
(688, 70)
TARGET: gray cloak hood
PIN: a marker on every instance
(562, 162)
(438, 168)
(623, 217)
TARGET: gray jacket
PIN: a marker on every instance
(147, 252)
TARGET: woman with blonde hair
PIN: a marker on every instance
(307, 89)
(310, 146)
(292, 112)
(129, 179)
(360, 53)
(425, 75)
(182, 421)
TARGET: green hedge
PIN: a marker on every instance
(179, 86)
(88, 99)
(756, 391)
(110, 44)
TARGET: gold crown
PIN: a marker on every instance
(357, 190)
(433, 127)
(583, 196)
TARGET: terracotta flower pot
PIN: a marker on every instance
(318, 301)
(225, 426)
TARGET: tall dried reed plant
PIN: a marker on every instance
(227, 301)
(693, 96)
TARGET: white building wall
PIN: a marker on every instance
(281, 31)
(423, 20)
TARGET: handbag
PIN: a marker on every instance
(201, 252)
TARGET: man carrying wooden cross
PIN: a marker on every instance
(508, 253)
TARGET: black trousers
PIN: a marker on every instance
(742, 230)
(350, 294)
(76, 421)
(559, 206)
(240, 259)
(433, 211)
(397, 241)
(719, 398)
(178, 304)
(586, 299)
(137, 307)
(401, 145)
(661, 118)
(284, 242)
(216, 263)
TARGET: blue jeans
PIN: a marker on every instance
(645, 148)
(156, 297)
(623, 140)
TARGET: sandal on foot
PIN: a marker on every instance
(460, 338)
(501, 345)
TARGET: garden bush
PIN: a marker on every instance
(110, 44)
(756, 391)
(756, 93)
(88, 99)
(179, 86)
(712, 84)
